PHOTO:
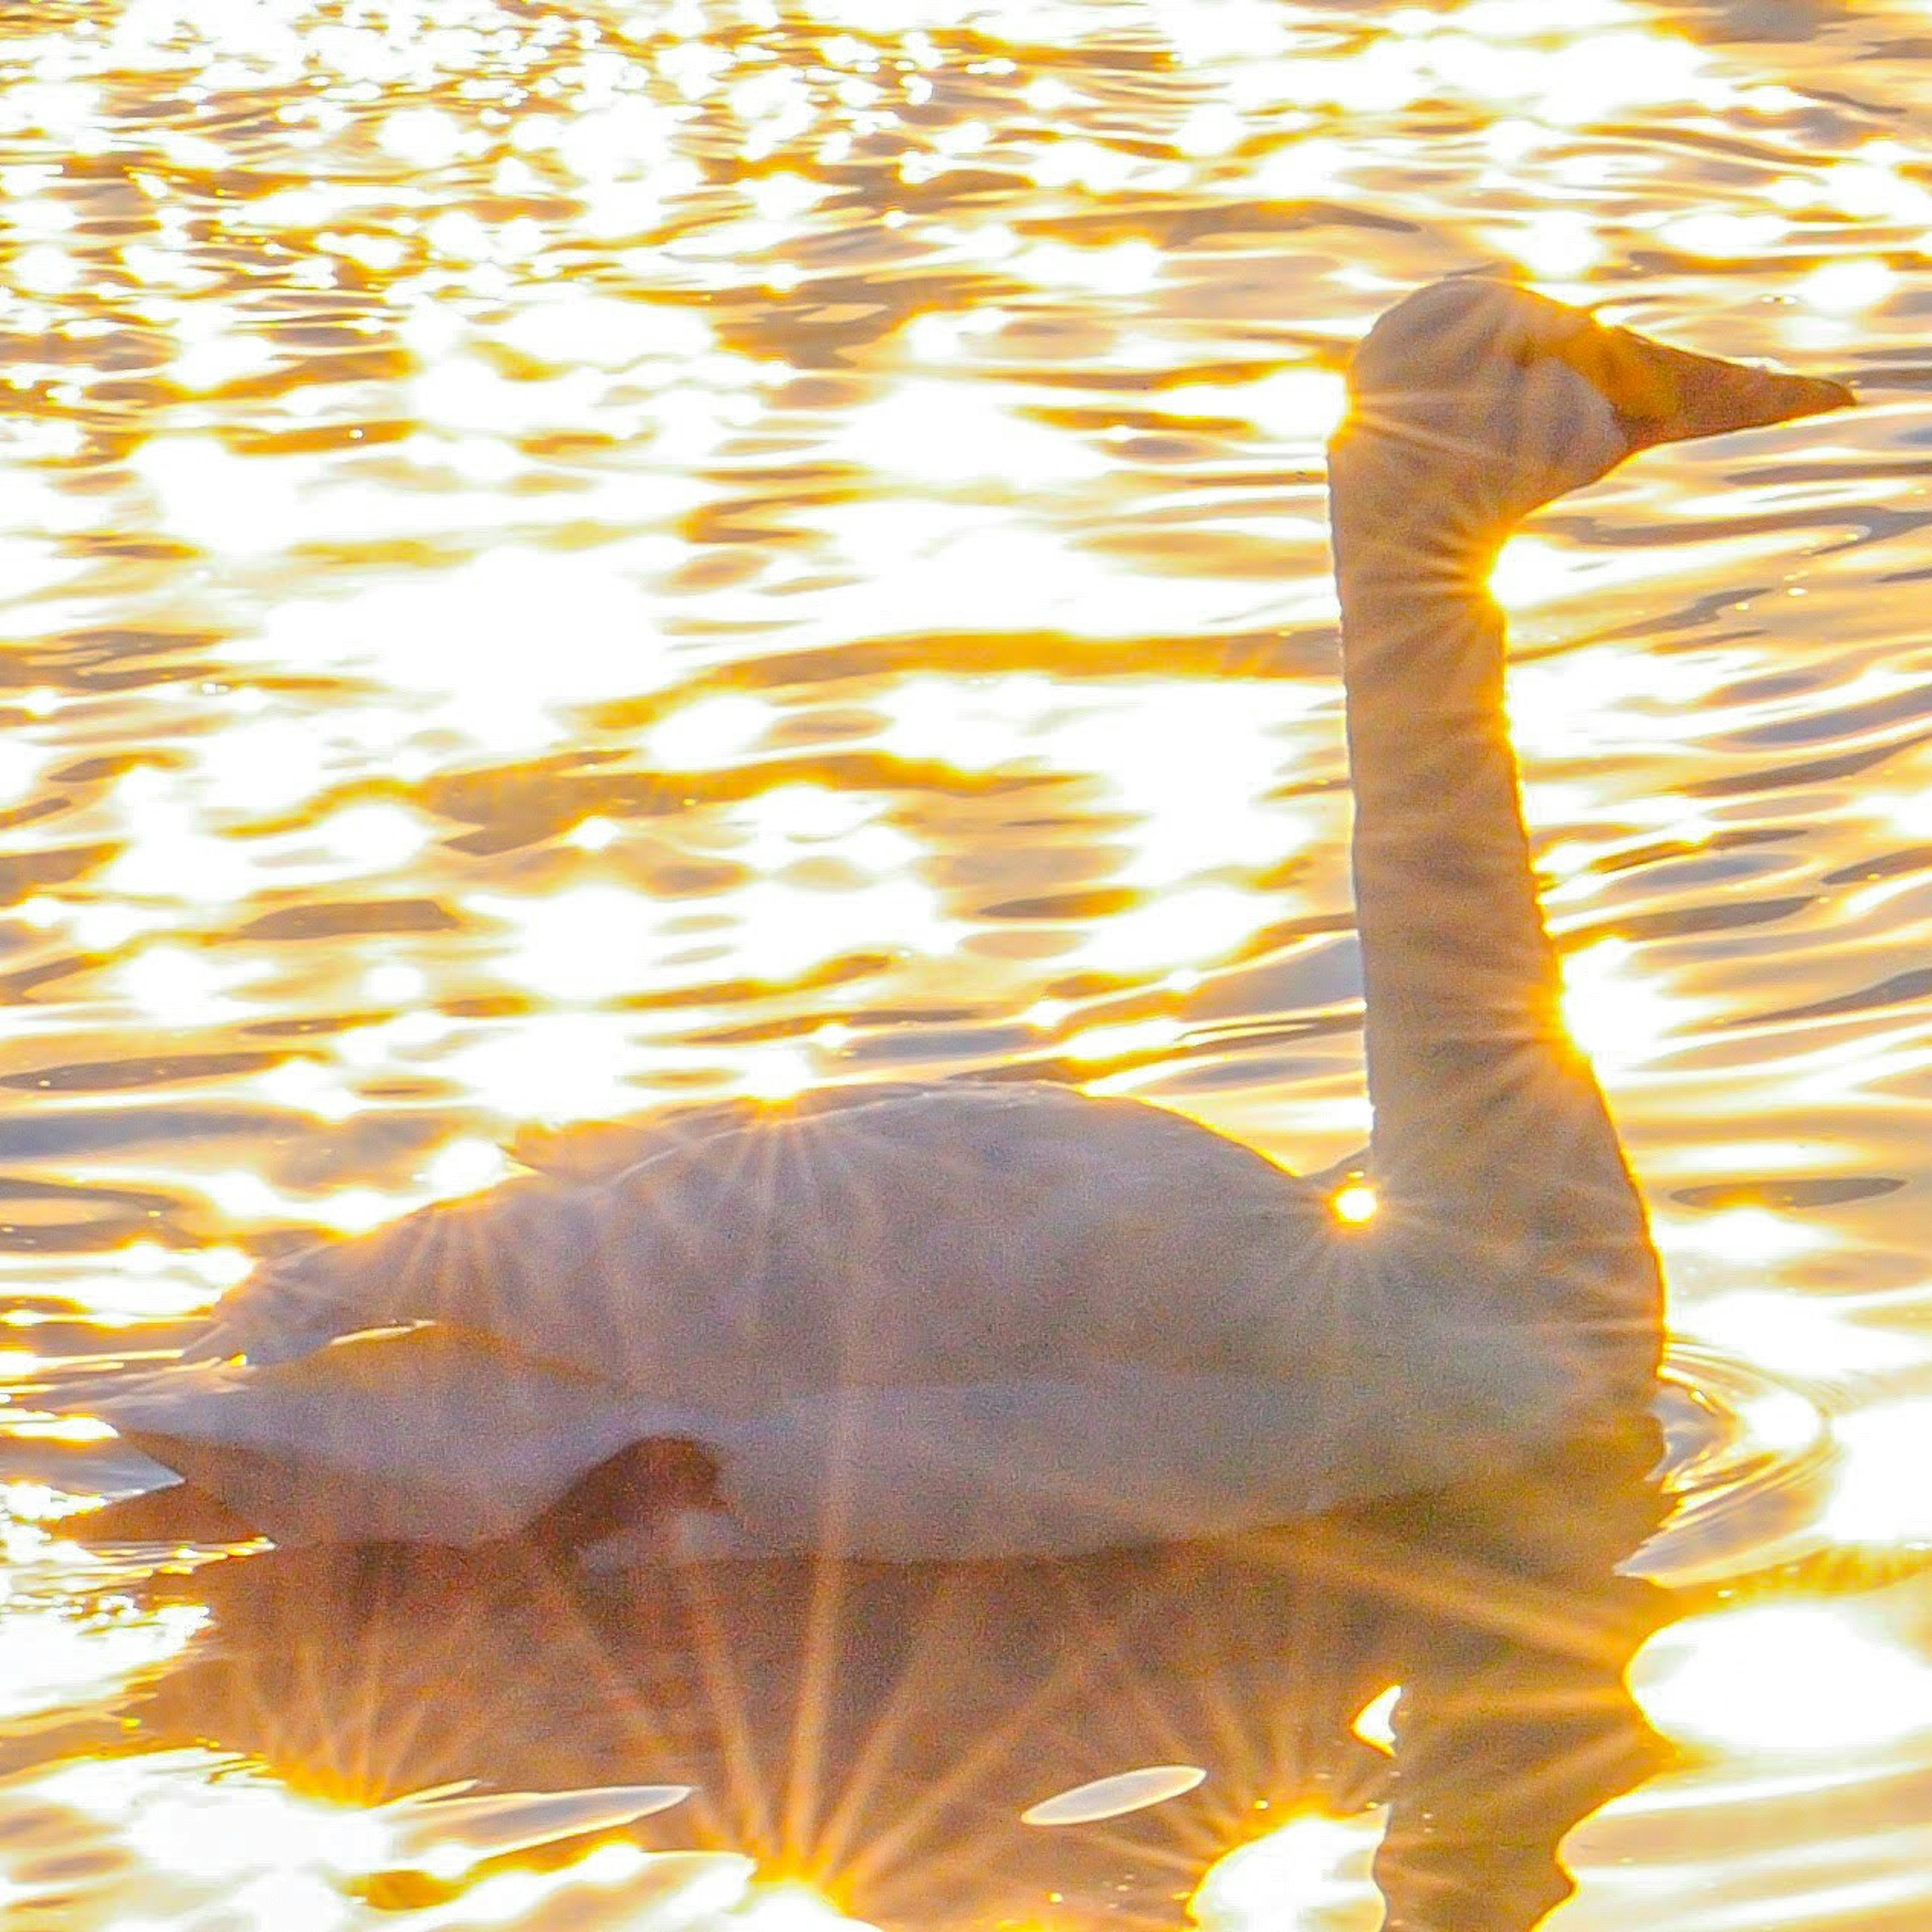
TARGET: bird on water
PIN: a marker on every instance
(966, 1320)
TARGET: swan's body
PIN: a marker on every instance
(980, 1319)
(971, 1319)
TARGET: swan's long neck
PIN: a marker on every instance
(1493, 1151)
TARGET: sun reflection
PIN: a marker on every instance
(178, 986)
(958, 432)
(215, 1836)
(1354, 1204)
(1197, 925)
(54, 1657)
(1374, 1723)
(1786, 1333)
(394, 983)
(24, 1428)
(708, 732)
(305, 1087)
(1125, 1038)
(568, 1065)
(1848, 287)
(373, 837)
(790, 1906)
(144, 1282)
(1879, 1495)
(1724, 233)
(456, 381)
(1310, 1876)
(587, 943)
(1114, 1797)
(1620, 1020)
(464, 1166)
(1799, 1677)
(595, 834)
(1558, 244)
(1782, 1420)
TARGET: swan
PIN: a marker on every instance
(983, 1318)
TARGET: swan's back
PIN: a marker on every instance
(938, 1235)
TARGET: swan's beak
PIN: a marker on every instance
(1663, 394)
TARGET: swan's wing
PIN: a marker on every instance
(466, 1251)
(957, 1236)
(1087, 1321)
(951, 1233)
(1039, 1466)
(417, 1434)
(619, 1217)
(594, 1150)
(1047, 1464)
(598, 1150)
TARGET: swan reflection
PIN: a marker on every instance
(1061, 1742)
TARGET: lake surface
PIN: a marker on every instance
(559, 560)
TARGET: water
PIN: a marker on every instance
(558, 560)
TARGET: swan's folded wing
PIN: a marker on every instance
(420, 1435)
(598, 1150)
(1056, 1466)
(950, 1233)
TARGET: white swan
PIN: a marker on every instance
(984, 1319)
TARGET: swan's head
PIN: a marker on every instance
(1483, 400)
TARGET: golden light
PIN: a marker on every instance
(1312, 1875)
(1725, 235)
(589, 370)
(1619, 1019)
(790, 1907)
(587, 943)
(1557, 244)
(373, 837)
(24, 1428)
(1788, 1334)
(774, 1071)
(1879, 1495)
(1782, 1421)
(244, 1197)
(1114, 1797)
(1355, 1204)
(1123, 1039)
(594, 834)
(37, 1502)
(1125, 267)
(1374, 1723)
(942, 432)
(1797, 1678)
(1758, 1237)
(394, 984)
(567, 1065)
(53, 1658)
(1305, 404)
(307, 1088)
(1847, 287)
(143, 1282)
(464, 1166)
(1192, 925)
(710, 731)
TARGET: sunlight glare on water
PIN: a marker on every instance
(564, 560)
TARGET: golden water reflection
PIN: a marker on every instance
(561, 560)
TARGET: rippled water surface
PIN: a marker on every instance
(561, 558)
